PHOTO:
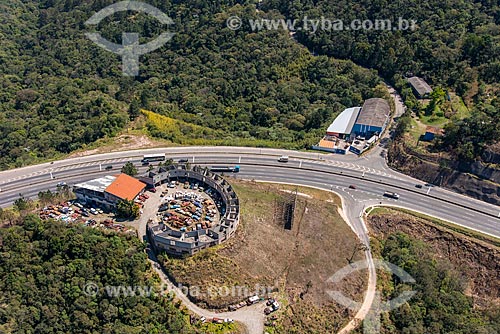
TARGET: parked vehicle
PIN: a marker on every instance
(283, 158)
(153, 190)
(252, 300)
(391, 195)
(109, 167)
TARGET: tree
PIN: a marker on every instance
(134, 109)
(22, 204)
(127, 209)
(129, 169)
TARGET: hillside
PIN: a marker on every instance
(293, 264)
(60, 92)
(456, 275)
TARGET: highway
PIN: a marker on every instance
(303, 168)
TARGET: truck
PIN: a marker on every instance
(391, 195)
(234, 169)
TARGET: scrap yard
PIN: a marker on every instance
(189, 210)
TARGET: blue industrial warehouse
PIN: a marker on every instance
(368, 121)
(371, 119)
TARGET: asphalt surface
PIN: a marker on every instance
(303, 168)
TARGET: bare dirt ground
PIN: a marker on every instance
(122, 142)
(131, 138)
(478, 261)
(294, 263)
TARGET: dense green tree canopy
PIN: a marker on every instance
(61, 92)
(45, 266)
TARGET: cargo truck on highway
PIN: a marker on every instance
(391, 195)
(234, 169)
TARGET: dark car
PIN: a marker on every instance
(352, 186)
(183, 161)
(419, 186)
(109, 167)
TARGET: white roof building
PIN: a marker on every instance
(97, 185)
(343, 124)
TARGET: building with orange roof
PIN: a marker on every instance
(107, 191)
(124, 187)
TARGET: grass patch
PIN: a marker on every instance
(441, 223)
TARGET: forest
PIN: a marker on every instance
(45, 267)
(60, 92)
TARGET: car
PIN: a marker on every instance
(352, 186)
(109, 167)
(419, 186)
(85, 214)
(183, 161)
(203, 319)
(283, 158)
(171, 184)
(145, 163)
(153, 190)
(62, 184)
